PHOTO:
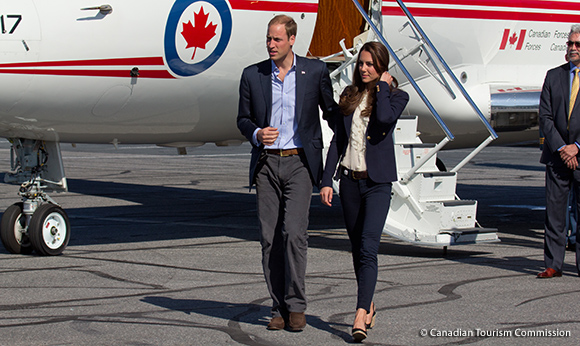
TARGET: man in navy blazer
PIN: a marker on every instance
(560, 124)
(279, 114)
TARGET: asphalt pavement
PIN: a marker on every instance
(164, 251)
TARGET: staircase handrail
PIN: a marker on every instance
(447, 68)
(381, 38)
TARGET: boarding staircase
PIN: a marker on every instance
(424, 206)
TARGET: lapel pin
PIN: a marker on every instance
(303, 72)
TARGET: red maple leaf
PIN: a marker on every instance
(513, 39)
(200, 34)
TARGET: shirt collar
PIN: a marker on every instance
(275, 69)
(573, 67)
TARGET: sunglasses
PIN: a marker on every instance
(573, 43)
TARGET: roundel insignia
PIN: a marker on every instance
(196, 35)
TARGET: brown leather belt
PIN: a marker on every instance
(355, 175)
(285, 152)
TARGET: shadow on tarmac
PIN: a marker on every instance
(224, 310)
(170, 213)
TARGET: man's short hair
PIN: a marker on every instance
(287, 21)
(575, 29)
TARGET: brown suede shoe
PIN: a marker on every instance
(296, 321)
(276, 323)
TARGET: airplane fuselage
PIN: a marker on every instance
(67, 72)
(168, 72)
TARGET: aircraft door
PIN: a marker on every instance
(337, 19)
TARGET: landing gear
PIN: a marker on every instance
(37, 223)
(13, 230)
(49, 230)
(26, 226)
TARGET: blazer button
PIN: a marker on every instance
(369, 137)
(384, 133)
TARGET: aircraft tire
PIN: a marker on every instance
(11, 227)
(49, 230)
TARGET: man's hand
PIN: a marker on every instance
(268, 135)
(326, 195)
(568, 155)
(572, 164)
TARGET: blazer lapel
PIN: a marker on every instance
(301, 79)
(266, 82)
(565, 85)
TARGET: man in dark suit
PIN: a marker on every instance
(560, 123)
(279, 114)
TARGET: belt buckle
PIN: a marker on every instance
(357, 175)
(282, 153)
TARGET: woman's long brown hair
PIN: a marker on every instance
(352, 95)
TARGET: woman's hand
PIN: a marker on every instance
(326, 195)
(386, 77)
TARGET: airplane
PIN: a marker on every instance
(167, 73)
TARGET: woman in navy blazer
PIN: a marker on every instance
(363, 145)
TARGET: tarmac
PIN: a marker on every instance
(164, 251)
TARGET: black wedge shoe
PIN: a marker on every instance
(359, 334)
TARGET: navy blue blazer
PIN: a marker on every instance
(554, 105)
(313, 89)
(380, 152)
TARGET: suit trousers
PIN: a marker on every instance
(284, 192)
(365, 205)
(559, 181)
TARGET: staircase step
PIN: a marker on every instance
(433, 186)
(407, 155)
(406, 130)
(458, 203)
(458, 214)
(468, 236)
